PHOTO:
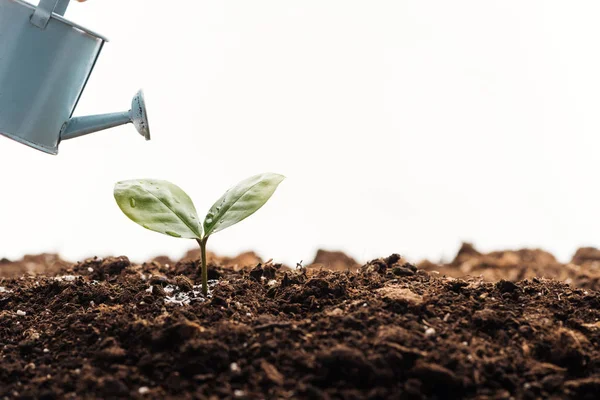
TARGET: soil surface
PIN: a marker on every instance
(109, 328)
(582, 271)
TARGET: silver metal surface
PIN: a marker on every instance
(45, 63)
(80, 126)
(139, 116)
(44, 11)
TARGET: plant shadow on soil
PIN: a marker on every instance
(108, 328)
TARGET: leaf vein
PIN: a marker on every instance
(174, 212)
(225, 209)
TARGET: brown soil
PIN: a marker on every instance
(583, 271)
(112, 329)
(334, 260)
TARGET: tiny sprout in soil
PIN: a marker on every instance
(163, 207)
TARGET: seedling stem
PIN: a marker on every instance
(202, 243)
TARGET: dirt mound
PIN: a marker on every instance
(583, 271)
(32, 265)
(109, 328)
(334, 260)
(50, 264)
(246, 259)
(588, 256)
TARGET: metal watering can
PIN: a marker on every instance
(45, 63)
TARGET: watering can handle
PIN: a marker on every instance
(44, 11)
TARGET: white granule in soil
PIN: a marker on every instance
(181, 298)
(234, 367)
(67, 278)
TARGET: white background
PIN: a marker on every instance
(402, 126)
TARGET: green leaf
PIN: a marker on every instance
(159, 206)
(241, 201)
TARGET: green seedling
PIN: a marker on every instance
(163, 207)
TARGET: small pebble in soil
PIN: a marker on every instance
(429, 332)
(234, 367)
(239, 393)
(336, 312)
(184, 283)
(90, 270)
(143, 390)
(68, 278)
(46, 351)
(4, 290)
(21, 313)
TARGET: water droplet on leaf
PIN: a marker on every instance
(173, 234)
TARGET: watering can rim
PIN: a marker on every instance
(65, 21)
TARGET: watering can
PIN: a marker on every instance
(45, 63)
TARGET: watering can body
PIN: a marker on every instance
(45, 63)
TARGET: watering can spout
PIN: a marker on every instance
(80, 126)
